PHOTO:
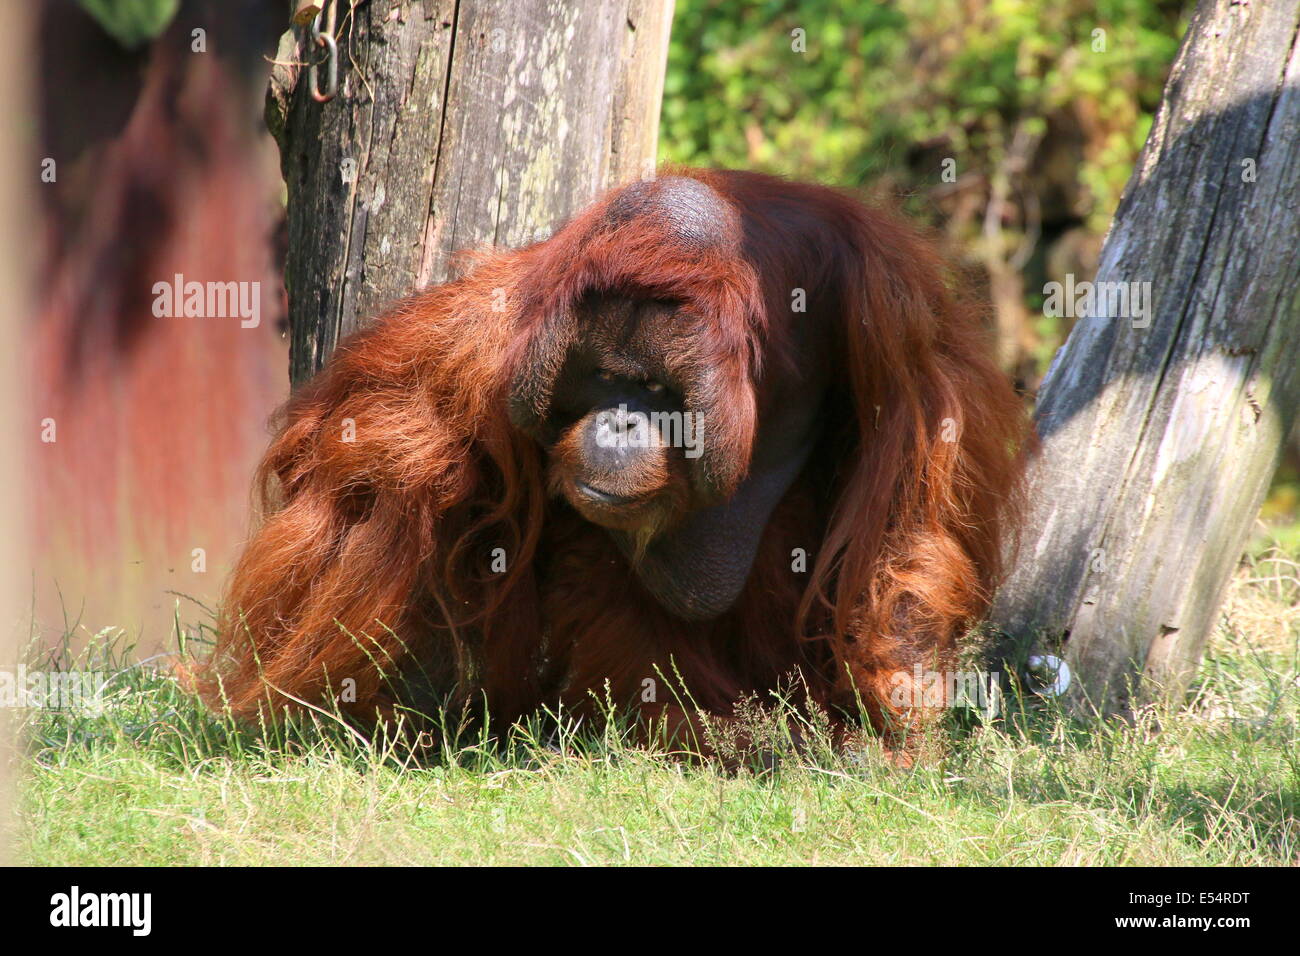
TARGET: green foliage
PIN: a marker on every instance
(132, 22)
(737, 95)
(876, 83)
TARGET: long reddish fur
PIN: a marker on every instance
(373, 557)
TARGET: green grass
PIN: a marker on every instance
(153, 779)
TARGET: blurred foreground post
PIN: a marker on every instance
(457, 123)
(1164, 415)
(20, 178)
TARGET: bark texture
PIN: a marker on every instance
(1161, 432)
(457, 124)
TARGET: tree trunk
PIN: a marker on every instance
(458, 123)
(1160, 437)
(18, 203)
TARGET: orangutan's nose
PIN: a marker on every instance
(617, 440)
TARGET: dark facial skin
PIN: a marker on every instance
(608, 458)
(690, 546)
(693, 554)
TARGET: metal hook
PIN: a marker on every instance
(1049, 675)
(326, 40)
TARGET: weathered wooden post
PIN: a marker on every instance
(1163, 418)
(457, 123)
(18, 434)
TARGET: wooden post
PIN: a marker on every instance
(20, 439)
(458, 123)
(1162, 431)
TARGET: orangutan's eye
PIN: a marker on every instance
(605, 375)
(655, 388)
